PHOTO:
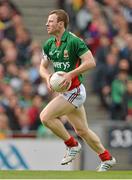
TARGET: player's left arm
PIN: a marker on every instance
(87, 62)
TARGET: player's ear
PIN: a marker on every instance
(61, 23)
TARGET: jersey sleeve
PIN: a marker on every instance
(44, 55)
(80, 47)
(45, 51)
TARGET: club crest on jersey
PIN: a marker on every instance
(66, 55)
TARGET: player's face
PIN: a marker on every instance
(53, 27)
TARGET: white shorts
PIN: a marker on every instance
(76, 96)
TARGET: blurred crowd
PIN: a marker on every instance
(106, 27)
(23, 93)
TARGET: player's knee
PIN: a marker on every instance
(82, 132)
(43, 118)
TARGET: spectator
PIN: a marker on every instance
(23, 41)
(127, 102)
(10, 110)
(102, 50)
(103, 77)
(117, 91)
(26, 94)
(84, 14)
(15, 10)
(5, 18)
(19, 76)
(4, 126)
(126, 51)
(34, 110)
(24, 121)
(126, 10)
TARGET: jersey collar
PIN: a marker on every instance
(64, 36)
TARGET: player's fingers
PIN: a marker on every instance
(63, 84)
(49, 86)
(61, 74)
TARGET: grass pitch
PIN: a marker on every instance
(64, 174)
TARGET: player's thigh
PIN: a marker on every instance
(56, 108)
(78, 118)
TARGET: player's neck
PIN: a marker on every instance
(59, 35)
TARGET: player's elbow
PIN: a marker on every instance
(91, 64)
(94, 64)
(41, 71)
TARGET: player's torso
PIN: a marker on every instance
(63, 56)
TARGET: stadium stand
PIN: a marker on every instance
(23, 93)
(106, 27)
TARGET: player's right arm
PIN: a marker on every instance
(44, 72)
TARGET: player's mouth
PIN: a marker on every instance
(48, 29)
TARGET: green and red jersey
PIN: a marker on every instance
(65, 55)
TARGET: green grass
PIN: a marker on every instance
(64, 174)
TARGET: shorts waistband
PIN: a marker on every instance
(74, 87)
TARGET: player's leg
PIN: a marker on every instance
(79, 121)
(50, 118)
(51, 113)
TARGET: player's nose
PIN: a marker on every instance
(47, 24)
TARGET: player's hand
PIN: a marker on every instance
(67, 79)
(48, 82)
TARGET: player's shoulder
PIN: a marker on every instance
(48, 42)
(74, 38)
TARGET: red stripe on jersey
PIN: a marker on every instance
(75, 80)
